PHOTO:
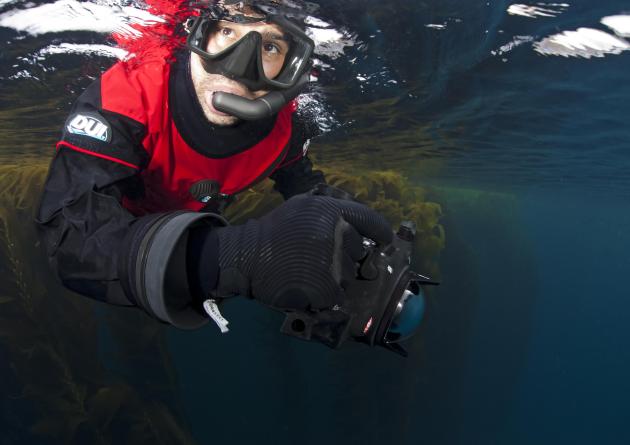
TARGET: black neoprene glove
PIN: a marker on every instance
(300, 255)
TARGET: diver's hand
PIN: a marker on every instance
(299, 256)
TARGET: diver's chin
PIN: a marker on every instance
(215, 116)
(219, 118)
(222, 121)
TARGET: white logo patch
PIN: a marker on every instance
(85, 125)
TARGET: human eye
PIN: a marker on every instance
(226, 32)
(222, 37)
(275, 47)
(271, 48)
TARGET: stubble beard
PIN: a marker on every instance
(205, 83)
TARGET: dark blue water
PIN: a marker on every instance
(570, 334)
(526, 340)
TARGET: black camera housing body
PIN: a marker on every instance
(371, 303)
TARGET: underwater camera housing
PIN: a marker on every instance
(383, 307)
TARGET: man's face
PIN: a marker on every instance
(274, 50)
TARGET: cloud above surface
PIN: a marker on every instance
(538, 10)
(6, 2)
(620, 24)
(583, 42)
(109, 17)
(74, 48)
(72, 15)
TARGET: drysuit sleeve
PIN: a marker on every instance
(296, 175)
(98, 248)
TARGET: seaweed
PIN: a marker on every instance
(388, 192)
(51, 338)
(378, 132)
(68, 393)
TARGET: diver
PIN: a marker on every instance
(156, 148)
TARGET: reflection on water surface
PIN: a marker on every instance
(473, 94)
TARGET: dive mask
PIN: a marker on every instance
(277, 60)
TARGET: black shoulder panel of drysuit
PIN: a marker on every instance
(296, 175)
(83, 223)
(94, 244)
(80, 215)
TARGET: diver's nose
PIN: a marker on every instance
(243, 62)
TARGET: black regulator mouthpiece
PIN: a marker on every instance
(383, 308)
(253, 109)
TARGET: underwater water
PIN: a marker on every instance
(512, 117)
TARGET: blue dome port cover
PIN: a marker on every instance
(408, 314)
